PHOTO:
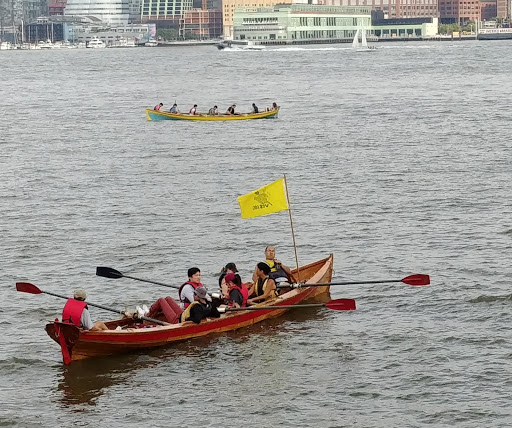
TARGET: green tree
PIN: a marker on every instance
(167, 33)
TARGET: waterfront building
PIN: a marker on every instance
(393, 8)
(300, 23)
(488, 10)
(404, 28)
(228, 11)
(459, 11)
(111, 12)
(201, 24)
(503, 9)
(165, 13)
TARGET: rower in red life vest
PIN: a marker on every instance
(237, 292)
(158, 107)
(76, 312)
(186, 290)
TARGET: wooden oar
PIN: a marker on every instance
(414, 280)
(335, 305)
(27, 287)
(108, 272)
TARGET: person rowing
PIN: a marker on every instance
(279, 272)
(201, 308)
(76, 312)
(237, 292)
(264, 287)
(186, 290)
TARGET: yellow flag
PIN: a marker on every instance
(267, 200)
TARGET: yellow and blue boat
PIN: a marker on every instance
(163, 115)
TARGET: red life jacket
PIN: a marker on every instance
(243, 291)
(193, 284)
(72, 312)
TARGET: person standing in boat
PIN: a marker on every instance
(186, 290)
(213, 111)
(158, 107)
(279, 272)
(255, 108)
(76, 312)
(264, 287)
(237, 293)
(193, 110)
(174, 109)
(201, 308)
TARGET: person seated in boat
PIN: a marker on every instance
(213, 111)
(237, 293)
(279, 272)
(186, 290)
(76, 312)
(165, 309)
(193, 110)
(158, 107)
(255, 108)
(201, 308)
(264, 287)
(229, 268)
(274, 106)
(231, 110)
(174, 109)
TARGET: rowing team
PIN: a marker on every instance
(214, 111)
(196, 303)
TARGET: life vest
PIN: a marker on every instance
(243, 291)
(192, 111)
(186, 313)
(157, 107)
(276, 272)
(261, 286)
(193, 284)
(72, 312)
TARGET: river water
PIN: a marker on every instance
(398, 161)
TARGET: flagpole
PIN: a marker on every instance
(291, 225)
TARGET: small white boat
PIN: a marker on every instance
(363, 47)
(249, 46)
(5, 46)
(151, 43)
(96, 43)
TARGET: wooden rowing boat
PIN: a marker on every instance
(163, 115)
(127, 334)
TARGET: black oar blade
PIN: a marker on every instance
(27, 287)
(417, 280)
(108, 272)
(341, 305)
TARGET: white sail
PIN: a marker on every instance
(364, 43)
(355, 42)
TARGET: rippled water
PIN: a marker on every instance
(398, 161)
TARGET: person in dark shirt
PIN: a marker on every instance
(255, 108)
(231, 110)
(201, 308)
(237, 292)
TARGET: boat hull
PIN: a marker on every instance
(132, 337)
(154, 115)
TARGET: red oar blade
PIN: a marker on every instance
(342, 305)
(27, 287)
(417, 279)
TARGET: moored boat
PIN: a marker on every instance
(154, 115)
(128, 334)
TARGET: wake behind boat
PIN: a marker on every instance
(154, 115)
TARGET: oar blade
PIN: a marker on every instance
(27, 287)
(342, 305)
(417, 280)
(108, 272)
